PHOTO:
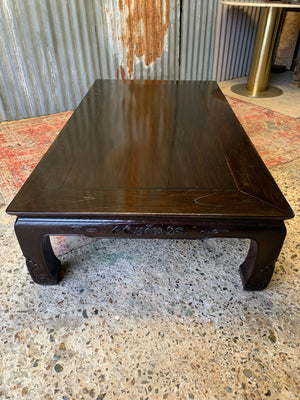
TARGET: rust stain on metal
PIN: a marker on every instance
(144, 31)
(122, 72)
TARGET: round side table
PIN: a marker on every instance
(258, 78)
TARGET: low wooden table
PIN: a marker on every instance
(152, 159)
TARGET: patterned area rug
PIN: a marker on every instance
(275, 136)
(24, 142)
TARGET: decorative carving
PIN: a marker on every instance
(213, 231)
(153, 230)
(143, 230)
(37, 276)
(85, 229)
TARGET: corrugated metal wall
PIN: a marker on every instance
(52, 50)
(197, 39)
(234, 40)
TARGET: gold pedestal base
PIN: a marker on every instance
(257, 85)
(242, 90)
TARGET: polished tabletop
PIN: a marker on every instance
(136, 148)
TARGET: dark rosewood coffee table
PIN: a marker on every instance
(152, 159)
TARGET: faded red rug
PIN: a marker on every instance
(276, 136)
(23, 143)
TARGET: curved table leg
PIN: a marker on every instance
(42, 263)
(257, 270)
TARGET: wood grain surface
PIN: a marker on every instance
(138, 148)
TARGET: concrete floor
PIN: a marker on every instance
(288, 103)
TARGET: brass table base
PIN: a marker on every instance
(242, 90)
(257, 85)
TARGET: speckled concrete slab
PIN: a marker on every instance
(287, 103)
(152, 320)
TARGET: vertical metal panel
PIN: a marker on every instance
(216, 40)
(143, 37)
(197, 38)
(234, 40)
(52, 50)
